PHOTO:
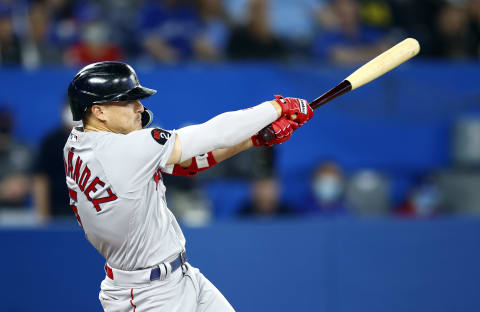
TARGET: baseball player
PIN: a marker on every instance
(114, 166)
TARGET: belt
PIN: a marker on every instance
(158, 272)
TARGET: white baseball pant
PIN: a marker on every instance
(188, 291)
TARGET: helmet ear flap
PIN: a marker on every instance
(147, 117)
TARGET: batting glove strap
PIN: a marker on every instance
(199, 163)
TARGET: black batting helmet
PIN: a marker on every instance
(104, 82)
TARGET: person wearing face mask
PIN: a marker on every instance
(327, 189)
(49, 191)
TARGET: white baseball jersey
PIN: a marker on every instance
(118, 196)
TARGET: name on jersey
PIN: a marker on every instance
(81, 178)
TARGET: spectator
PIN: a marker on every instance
(453, 36)
(10, 48)
(49, 190)
(255, 40)
(121, 16)
(94, 46)
(39, 49)
(368, 193)
(345, 38)
(294, 22)
(423, 201)
(416, 19)
(212, 40)
(265, 200)
(15, 162)
(64, 27)
(377, 13)
(169, 29)
(328, 190)
(473, 9)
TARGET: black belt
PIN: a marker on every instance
(156, 273)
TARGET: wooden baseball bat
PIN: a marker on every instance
(380, 65)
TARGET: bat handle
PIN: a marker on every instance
(267, 133)
(343, 87)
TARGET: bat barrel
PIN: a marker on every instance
(385, 62)
(380, 65)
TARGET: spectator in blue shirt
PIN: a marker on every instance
(345, 39)
(213, 37)
(169, 29)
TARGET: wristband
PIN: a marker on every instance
(199, 163)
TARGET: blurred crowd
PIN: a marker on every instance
(37, 179)
(36, 33)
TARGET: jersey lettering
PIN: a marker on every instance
(73, 197)
(84, 178)
(93, 188)
(111, 197)
(70, 166)
(157, 176)
(81, 179)
(76, 172)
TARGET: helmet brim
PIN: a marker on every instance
(133, 94)
(139, 93)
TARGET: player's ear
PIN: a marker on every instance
(98, 111)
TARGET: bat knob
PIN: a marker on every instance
(268, 134)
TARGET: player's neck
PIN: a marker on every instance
(96, 127)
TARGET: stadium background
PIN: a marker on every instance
(412, 135)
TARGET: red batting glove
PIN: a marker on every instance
(282, 128)
(295, 107)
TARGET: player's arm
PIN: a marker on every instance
(282, 129)
(194, 165)
(222, 154)
(223, 131)
(232, 128)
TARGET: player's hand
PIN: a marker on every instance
(282, 128)
(295, 109)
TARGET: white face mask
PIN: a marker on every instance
(327, 188)
(96, 34)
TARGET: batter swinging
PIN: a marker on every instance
(114, 167)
